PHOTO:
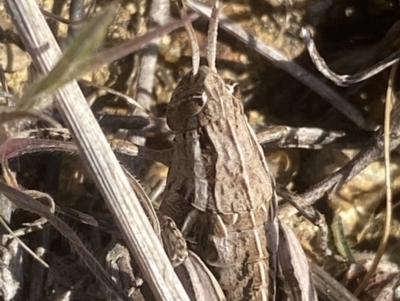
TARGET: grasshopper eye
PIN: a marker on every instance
(200, 99)
(182, 113)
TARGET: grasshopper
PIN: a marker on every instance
(220, 191)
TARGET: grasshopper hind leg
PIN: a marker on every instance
(197, 279)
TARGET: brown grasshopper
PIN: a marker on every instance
(220, 191)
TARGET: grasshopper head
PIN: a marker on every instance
(197, 100)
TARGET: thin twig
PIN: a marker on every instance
(22, 244)
(345, 80)
(159, 15)
(128, 99)
(390, 103)
(334, 181)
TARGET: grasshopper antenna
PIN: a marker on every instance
(212, 36)
(192, 37)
